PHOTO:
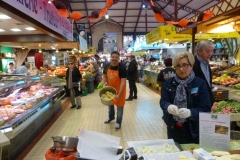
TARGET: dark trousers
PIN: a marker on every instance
(132, 88)
(181, 135)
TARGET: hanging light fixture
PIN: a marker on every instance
(49, 1)
(106, 16)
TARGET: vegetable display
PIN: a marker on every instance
(226, 107)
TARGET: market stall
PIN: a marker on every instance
(28, 104)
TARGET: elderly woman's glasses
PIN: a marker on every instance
(184, 66)
(70, 63)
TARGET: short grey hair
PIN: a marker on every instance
(203, 44)
(27, 64)
(181, 55)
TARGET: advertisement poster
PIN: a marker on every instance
(109, 43)
(214, 131)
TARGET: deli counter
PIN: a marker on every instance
(26, 107)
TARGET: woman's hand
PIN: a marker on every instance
(184, 113)
(172, 109)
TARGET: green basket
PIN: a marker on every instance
(84, 92)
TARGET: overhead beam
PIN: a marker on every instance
(167, 4)
(139, 13)
(95, 1)
(125, 13)
(87, 15)
(156, 3)
(198, 9)
(180, 6)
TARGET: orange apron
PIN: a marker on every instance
(115, 82)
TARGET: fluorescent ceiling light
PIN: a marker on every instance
(30, 29)
(2, 16)
(166, 39)
(15, 30)
(2, 30)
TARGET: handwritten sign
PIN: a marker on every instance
(44, 13)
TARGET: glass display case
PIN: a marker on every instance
(26, 107)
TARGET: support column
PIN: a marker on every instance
(194, 31)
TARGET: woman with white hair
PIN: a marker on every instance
(183, 97)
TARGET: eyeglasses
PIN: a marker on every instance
(184, 66)
(70, 63)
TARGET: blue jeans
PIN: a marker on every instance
(111, 113)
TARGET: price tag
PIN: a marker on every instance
(215, 89)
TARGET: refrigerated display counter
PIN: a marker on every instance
(26, 107)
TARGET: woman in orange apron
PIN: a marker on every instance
(115, 75)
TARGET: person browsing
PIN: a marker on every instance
(22, 69)
(73, 77)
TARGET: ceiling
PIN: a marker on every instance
(130, 14)
(7, 24)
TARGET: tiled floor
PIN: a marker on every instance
(141, 121)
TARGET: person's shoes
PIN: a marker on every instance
(135, 97)
(117, 126)
(74, 106)
(129, 99)
(109, 120)
(78, 107)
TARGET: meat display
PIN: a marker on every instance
(18, 103)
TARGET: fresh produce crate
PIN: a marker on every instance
(220, 95)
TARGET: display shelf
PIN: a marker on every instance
(24, 127)
(232, 96)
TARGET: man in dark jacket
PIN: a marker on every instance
(166, 73)
(201, 67)
(132, 77)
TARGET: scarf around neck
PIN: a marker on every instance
(180, 99)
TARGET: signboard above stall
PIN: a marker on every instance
(45, 13)
(168, 34)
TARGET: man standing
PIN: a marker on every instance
(166, 73)
(105, 61)
(96, 66)
(132, 77)
(201, 66)
(115, 75)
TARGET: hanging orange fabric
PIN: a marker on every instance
(159, 17)
(103, 12)
(207, 15)
(115, 82)
(152, 4)
(109, 3)
(183, 22)
(76, 15)
(63, 12)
